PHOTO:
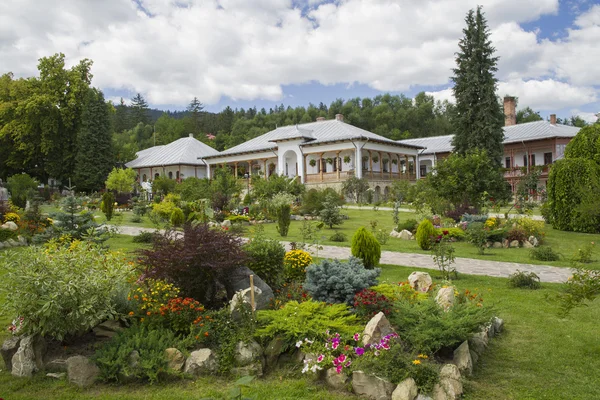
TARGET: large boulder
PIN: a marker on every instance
(462, 359)
(406, 390)
(445, 297)
(528, 245)
(107, 329)
(533, 240)
(450, 386)
(479, 342)
(201, 362)
(420, 281)
(81, 371)
(56, 365)
(371, 386)
(239, 279)
(243, 297)
(334, 380)
(273, 351)
(248, 353)
(376, 329)
(514, 244)
(175, 359)
(498, 324)
(8, 350)
(29, 358)
(10, 226)
(406, 235)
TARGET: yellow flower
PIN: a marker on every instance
(424, 356)
(416, 362)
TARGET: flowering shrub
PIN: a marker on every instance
(291, 291)
(531, 227)
(584, 254)
(151, 295)
(367, 303)
(399, 291)
(516, 233)
(11, 216)
(443, 255)
(492, 223)
(295, 263)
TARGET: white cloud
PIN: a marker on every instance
(250, 49)
(588, 117)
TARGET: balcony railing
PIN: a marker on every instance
(370, 175)
(517, 172)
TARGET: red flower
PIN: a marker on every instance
(445, 232)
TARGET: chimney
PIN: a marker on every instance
(510, 113)
(553, 119)
(191, 135)
(319, 119)
(339, 117)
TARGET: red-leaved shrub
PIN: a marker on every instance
(368, 303)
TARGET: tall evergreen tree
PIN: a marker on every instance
(95, 157)
(194, 109)
(139, 111)
(479, 118)
(121, 121)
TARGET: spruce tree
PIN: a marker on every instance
(138, 111)
(95, 157)
(121, 120)
(479, 118)
(194, 109)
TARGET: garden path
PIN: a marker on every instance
(469, 266)
(408, 210)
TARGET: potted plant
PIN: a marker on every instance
(375, 159)
(394, 161)
(330, 160)
(312, 162)
(365, 158)
(346, 159)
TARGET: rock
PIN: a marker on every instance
(474, 356)
(255, 369)
(226, 224)
(134, 359)
(10, 225)
(56, 375)
(273, 350)
(514, 244)
(450, 387)
(175, 359)
(107, 329)
(445, 297)
(81, 371)
(395, 234)
(8, 350)
(528, 245)
(239, 279)
(247, 353)
(56, 365)
(497, 245)
(243, 297)
(533, 240)
(29, 357)
(11, 243)
(423, 397)
(406, 390)
(491, 332)
(505, 243)
(334, 380)
(450, 371)
(462, 359)
(371, 386)
(479, 342)
(498, 325)
(420, 281)
(406, 235)
(22, 241)
(1, 245)
(201, 362)
(376, 329)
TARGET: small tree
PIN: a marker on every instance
(19, 185)
(108, 205)
(366, 247)
(425, 234)
(177, 217)
(355, 188)
(121, 180)
(282, 209)
(163, 185)
(330, 214)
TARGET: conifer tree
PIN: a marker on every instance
(121, 120)
(139, 111)
(479, 118)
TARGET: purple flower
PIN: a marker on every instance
(359, 351)
(356, 337)
(339, 368)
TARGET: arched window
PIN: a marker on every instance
(144, 178)
(170, 174)
(177, 175)
(156, 176)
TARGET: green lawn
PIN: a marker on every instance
(539, 356)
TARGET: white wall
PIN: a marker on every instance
(187, 171)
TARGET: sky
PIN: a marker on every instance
(244, 53)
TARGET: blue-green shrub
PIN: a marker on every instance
(333, 281)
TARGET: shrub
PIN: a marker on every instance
(409, 225)
(177, 218)
(296, 262)
(455, 233)
(516, 233)
(310, 319)
(543, 253)
(266, 257)
(531, 227)
(469, 218)
(426, 328)
(477, 236)
(108, 205)
(63, 290)
(121, 180)
(145, 237)
(163, 185)
(312, 202)
(425, 234)
(368, 303)
(338, 237)
(19, 186)
(584, 254)
(193, 188)
(238, 218)
(400, 291)
(114, 357)
(366, 247)
(582, 288)
(165, 208)
(330, 213)
(334, 281)
(6, 234)
(198, 262)
(524, 280)
(458, 212)
(136, 218)
(281, 208)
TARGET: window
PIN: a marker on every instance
(385, 165)
(533, 160)
(547, 158)
(365, 164)
(560, 150)
(177, 174)
(507, 162)
(423, 169)
(525, 163)
(335, 164)
(170, 174)
(156, 176)
(144, 178)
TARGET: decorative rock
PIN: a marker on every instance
(491, 332)
(376, 328)
(505, 243)
(334, 380)
(175, 359)
(273, 350)
(450, 387)
(22, 241)
(29, 357)
(406, 390)
(81, 371)
(514, 244)
(445, 297)
(406, 235)
(239, 279)
(498, 324)
(533, 240)
(528, 245)
(450, 371)
(56, 375)
(107, 329)
(12, 243)
(479, 342)
(462, 359)
(247, 353)
(371, 386)
(56, 365)
(420, 281)
(201, 362)
(474, 356)
(395, 234)
(10, 225)
(423, 397)
(497, 245)
(243, 297)
(226, 224)
(255, 369)
(9, 348)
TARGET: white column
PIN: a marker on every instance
(208, 171)
(417, 166)
(358, 163)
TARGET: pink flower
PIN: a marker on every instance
(356, 337)
(359, 351)
(339, 368)
(320, 358)
(341, 358)
(335, 345)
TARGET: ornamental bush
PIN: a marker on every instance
(20, 186)
(477, 236)
(425, 234)
(524, 280)
(544, 253)
(295, 262)
(368, 303)
(366, 247)
(334, 281)
(266, 258)
(108, 205)
(409, 225)
(177, 217)
(63, 290)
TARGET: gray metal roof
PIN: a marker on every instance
(184, 151)
(314, 132)
(516, 133)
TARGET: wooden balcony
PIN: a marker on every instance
(517, 172)
(330, 177)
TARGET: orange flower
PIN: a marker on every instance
(206, 334)
(148, 313)
(136, 297)
(131, 313)
(197, 337)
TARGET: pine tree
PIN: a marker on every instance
(139, 111)
(194, 109)
(121, 122)
(479, 118)
(330, 214)
(95, 157)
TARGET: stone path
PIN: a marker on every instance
(469, 266)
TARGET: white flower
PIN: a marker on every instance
(315, 368)
(299, 343)
(305, 369)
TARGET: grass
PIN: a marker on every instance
(539, 356)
